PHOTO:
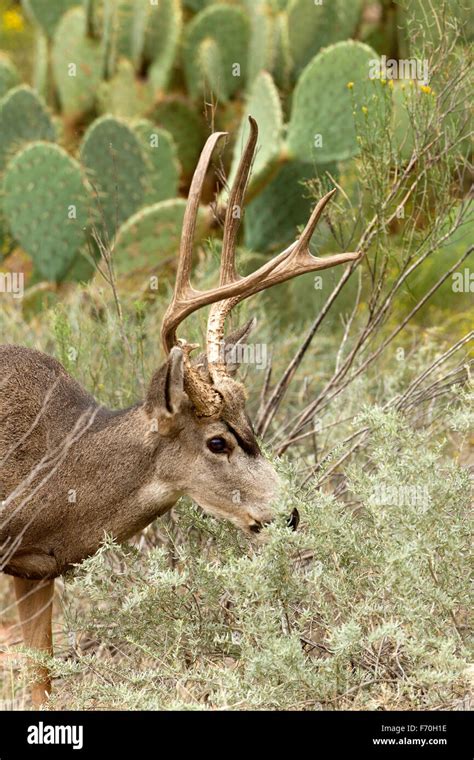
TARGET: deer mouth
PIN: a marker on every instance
(292, 522)
(294, 519)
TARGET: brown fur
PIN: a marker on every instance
(127, 468)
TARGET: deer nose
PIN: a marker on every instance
(293, 520)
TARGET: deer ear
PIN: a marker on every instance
(231, 353)
(166, 396)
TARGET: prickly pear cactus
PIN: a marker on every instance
(229, 28)
(261, 50)
(196, 5)
(131, 19)
(41, 69)
(161, 41)
(151, 237)
(124, 95)
(321, 127)
(46, 206)
(77, 62)
(312, 26)
(47, 13)
(282, 62)
(9, 76)
(263, 103)
(162, 161)
(272, 218)
(23, 118)
(211, 66)
(188, 131)
(114, 160)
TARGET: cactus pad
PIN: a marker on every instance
(46, 206)
(23, 118)
(8, 75)
(186, 128)
(124, 95)
(321, 127)
(47, 13)
(112, 154)
(77, 64)
(151, 237)
(313, 26)
(161, 157)
(229, 28)
(264, 105)
(161, 41)
(273, 217)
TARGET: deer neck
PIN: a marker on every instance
(109, 484)
(118, 470)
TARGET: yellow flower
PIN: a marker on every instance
(390, 84)
(13, 21)
(350, 85)
(426, 89)
(383, 82)
(364, 109)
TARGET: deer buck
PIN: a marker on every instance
(191, 435)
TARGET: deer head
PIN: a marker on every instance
(198, 405)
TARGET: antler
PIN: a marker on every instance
(232, 288)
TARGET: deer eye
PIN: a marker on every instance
(217, 445)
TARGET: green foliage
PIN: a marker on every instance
(261, 52)
(263, 103)
(370, 618)
(46, 205)
(323, 103)
(187, 128)
(161, 157)
(161, 42)
(151, 237)
(47, 14)
(282, 63)
(273, 217)
(113, 157)
(123, 94)
(414, 15)
(23, 117)
(41, 75)
(9, 76)
(312, 26)
(77, 88)
(228, 28)
(366, 606)
(402, 125)
(131, 20)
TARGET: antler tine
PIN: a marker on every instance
(235, 203)
(228, 273)
(183, 291)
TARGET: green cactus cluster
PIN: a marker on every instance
(9, 76)
(46, 205)
(130, 89)
(155, 228)
(23, 118)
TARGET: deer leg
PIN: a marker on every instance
(35, 605)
